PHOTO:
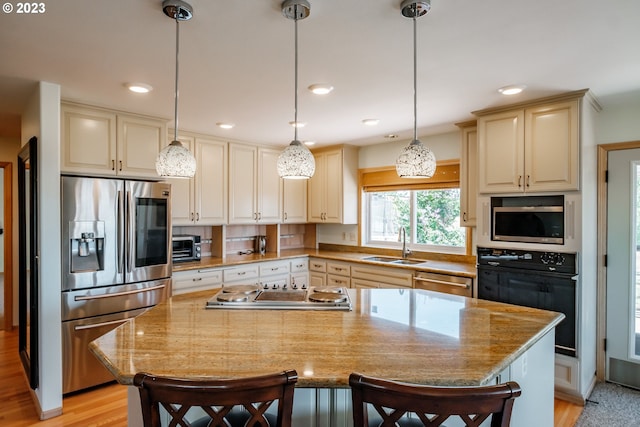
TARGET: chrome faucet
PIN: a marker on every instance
(402, 237)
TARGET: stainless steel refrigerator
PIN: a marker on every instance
(116, 264)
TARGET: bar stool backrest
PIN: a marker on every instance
(431, 405)
(217, 398)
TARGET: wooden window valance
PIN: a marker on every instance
(447, 175)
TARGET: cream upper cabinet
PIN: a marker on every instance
(333, 189)
(530, 149)
(104, 142)
(294, 201)
(468, 174)
(203, 199)
(255, 189)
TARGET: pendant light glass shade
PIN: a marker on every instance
(416, 160)
(175, 160)
(296, 161)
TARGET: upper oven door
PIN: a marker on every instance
(147, 225)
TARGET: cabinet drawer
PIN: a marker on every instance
(298, 265)
(385, 277)
(444, 283)
(339, 268)
(199, 280)
(334, 280)
(272, 268)
(317, 265)
(249, 272)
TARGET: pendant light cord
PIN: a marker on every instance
(175, 131)
(295, 104)
(415, 78)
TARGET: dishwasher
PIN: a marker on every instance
(445, 283)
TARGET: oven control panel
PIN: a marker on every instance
(565, 262)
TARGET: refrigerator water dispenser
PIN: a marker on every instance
(86, 246)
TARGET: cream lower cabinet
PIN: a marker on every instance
(317, 272)
(533, 148)
(255, 189)
(364, 276)
(98, 141)
(203, 199)
(333, 189)
(468, 174)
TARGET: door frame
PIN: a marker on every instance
(601, 332)
(8, 245)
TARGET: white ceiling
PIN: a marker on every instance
(236, 61)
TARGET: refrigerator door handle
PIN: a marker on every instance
(98, 325)
(130, 238)
(120, 232)
(119, 294)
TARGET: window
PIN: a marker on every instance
(429, 210)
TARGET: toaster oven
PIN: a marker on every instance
(185, 247)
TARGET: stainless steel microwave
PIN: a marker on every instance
(528, 224)
(185, 247)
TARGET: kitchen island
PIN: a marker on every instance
(408, 335)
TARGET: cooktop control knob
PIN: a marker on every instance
(275, 286)
(265, 286)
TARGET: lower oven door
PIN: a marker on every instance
(547, 291)
(80, 367)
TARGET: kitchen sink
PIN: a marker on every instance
(394, 260)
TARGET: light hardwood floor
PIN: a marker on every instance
(107, 405)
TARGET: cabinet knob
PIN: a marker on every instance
(198, 216)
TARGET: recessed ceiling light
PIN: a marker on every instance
(309, 143)
(225, 125)
(391, 136)
(321, 89)
(511, 90)
(138, 87)
(298, 124)
(370, 122)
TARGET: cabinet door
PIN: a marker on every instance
(551, 147)
(182, 193)
(333, 187)
(468, 177)
(316, 190)
(294, 200)
(211, 182)
(140, 139)
(242, 184)
(88, 140)
(317, 279)
(501, 152)
(269, 187)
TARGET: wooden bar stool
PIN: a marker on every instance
(432, 405)
(217, 398)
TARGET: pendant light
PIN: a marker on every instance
(175, 160)
(416, 160)
(296, 161)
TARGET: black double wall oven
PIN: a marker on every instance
(545, 280)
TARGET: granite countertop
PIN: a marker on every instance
(434, 266)
(408, 335)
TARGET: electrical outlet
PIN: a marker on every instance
(352, 237)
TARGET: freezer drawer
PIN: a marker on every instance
(82, 303)
(80, 367)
